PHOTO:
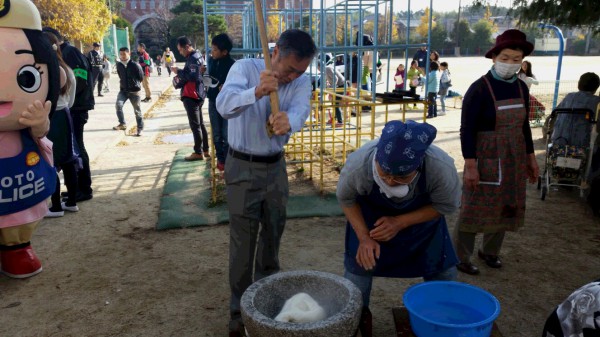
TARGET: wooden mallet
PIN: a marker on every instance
(265, 47)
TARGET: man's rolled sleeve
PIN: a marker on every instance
(300, 106)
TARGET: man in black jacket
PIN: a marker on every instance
(84, 101)
(130, 81)
(189, 79)
(218, 68)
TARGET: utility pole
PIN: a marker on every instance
(457, 48)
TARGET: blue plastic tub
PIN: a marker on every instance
(450, 309)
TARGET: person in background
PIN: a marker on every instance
(334, 79)
(536, 108)
(413, 75)
(421, 58)
(64, 149)
(106, 71)
(434, 56)
(169, 59)
(192, 95)
(526, 74)
(498, 151)
(95, 57)
(159, 64)
(395, 193)
(445, 84)
(219, 65)
(131, 76)
(433, 86)
(399, 77)
(255, 170)
(571, 129)
(84, 102)
(144, 61)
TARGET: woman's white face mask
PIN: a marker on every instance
(506, 70)
(398, 191)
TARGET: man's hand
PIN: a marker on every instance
(268, 83)
(368, 251)
(280, 123)
(36, 117)
(386, 228)
(533, 171)
(174, 69)
(202, 69)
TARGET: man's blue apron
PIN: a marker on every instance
(26, 179)
(420, 250)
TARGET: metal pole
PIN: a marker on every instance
(457, 49)
(559, 34)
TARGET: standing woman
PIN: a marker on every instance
(498, 150)
(526, 74)
(64, 150)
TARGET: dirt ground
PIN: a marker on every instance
(107, 272)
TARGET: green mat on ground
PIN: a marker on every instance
(186, 198)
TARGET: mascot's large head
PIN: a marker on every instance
(29, 67)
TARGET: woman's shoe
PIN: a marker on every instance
(493, 261)
(467, 268)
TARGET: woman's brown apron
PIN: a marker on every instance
(498, 202)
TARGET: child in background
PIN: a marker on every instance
(445, 84)
(413, 78)
(159, 64)
(433, 86)
(399, 77)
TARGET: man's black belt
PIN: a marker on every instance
(255, 158)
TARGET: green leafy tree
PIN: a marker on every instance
(188, 20)
(438, 37)
(462, 33)
(121, 22)
(481, 40)
(568, 13)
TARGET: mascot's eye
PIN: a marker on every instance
(29, 78)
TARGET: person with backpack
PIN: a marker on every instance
(146, 63)
(169, 59)
(189, 80)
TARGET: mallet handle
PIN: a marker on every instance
(265, 47)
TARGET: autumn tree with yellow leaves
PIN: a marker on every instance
(83, 20)
(423, 27)
(274, 24)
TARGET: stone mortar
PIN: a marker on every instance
(263, 300)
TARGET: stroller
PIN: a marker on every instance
(568, 157)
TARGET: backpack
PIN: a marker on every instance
(151, 67)
(168, 58)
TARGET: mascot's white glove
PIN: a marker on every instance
(36, 117)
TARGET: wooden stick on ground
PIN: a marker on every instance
(265, 47)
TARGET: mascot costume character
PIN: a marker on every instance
(30, 79)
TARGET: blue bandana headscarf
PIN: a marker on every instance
(402, 146)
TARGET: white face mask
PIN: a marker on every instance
(398, 191)
(506, 70)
